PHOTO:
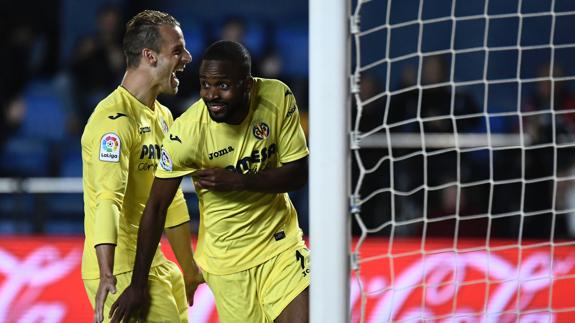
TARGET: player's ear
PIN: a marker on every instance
(149, 56)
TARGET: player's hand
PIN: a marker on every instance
(107, 285)
(218, 179)
(192, 281)
(133, 303)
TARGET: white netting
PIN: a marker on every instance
(462, 138)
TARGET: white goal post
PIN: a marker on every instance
(329, 160)
(470, 132)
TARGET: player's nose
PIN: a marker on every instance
(187, 57)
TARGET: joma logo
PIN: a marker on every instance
(220, 152)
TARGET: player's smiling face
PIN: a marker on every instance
(225, 91)
(172, 58)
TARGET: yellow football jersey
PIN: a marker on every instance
(239, 230)
(120, 152)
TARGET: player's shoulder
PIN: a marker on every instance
(114, 107)
(193, 115)
(114, 112)
(165, 112)
(184, 127)
(273, 95)
(271, 87)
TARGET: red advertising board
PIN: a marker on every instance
(409, 281)
(40, 282)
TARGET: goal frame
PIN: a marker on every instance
(330, 157)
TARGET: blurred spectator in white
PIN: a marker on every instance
(234, 29)
(271, 65)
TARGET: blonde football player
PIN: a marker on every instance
(121, 148)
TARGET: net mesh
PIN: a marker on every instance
(462, 138)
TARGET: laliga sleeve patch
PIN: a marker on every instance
(166, 161)
(110, 148)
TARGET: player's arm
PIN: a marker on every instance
(134, 301)
(180, 240)
(110, 182)
(105, 254)
(178, 232)
(289, 177)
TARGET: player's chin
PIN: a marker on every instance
(171, 90)
(218, 117)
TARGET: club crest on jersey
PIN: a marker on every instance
(166, 161)
(261, 130)
(164, 125)
(110, 148)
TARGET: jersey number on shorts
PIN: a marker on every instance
(299, 257)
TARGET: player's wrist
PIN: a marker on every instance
(139, 283)
(139, 286)
(243, 182)
(195, 276)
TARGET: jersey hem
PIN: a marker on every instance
(249, 265)
(88, 275)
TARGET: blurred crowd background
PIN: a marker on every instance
(63, 56)
(487, 69)
(60, 57)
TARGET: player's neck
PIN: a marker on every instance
(140, 87)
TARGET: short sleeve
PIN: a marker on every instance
(177, 147)
(292, 142)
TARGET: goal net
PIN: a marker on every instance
(462, 142)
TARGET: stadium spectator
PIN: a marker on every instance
(14, 77)
(97, 65)
(548, 119)
(120, 151)
(426, 111)
(244, 147)
(376, 210)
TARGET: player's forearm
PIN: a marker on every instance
(180, 240)
(289, 177)
(105, 256)
(149, 234)
(151, 226)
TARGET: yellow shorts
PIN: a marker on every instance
(261, 293)
(167, 292)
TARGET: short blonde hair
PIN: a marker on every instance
(142, 32)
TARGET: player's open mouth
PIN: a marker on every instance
(174, 79)
(216, 108)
